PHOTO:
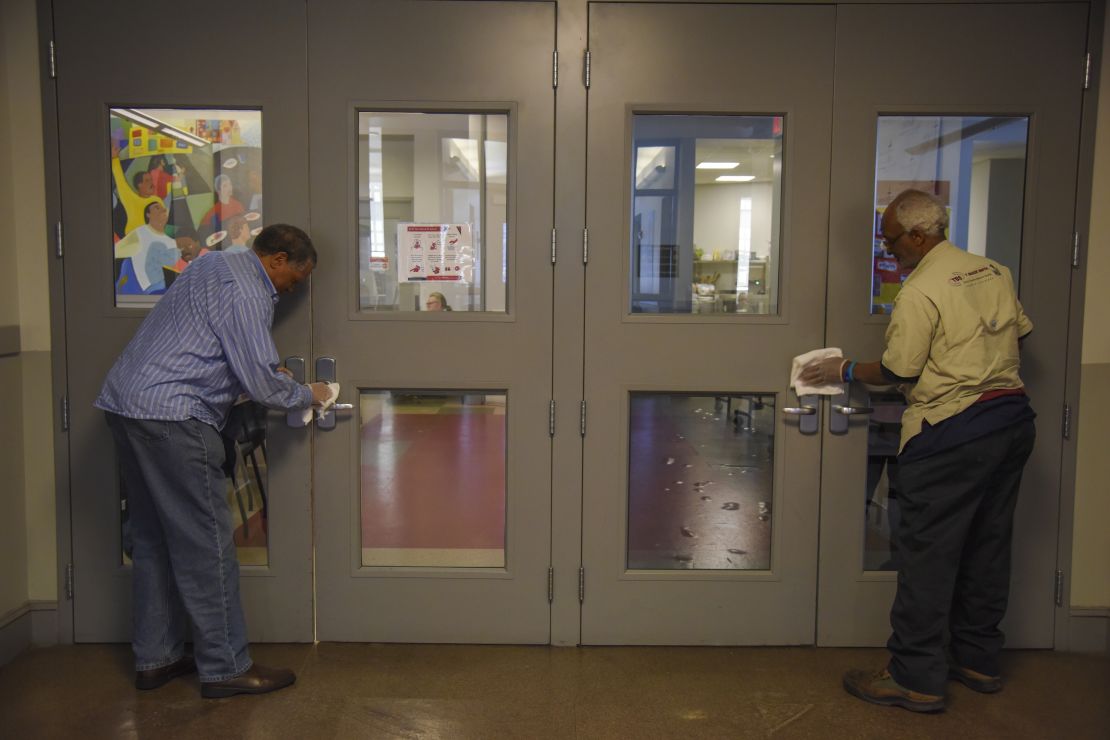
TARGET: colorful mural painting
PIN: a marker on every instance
(185, 182)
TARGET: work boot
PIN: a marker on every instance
(975, 680)
(879, 687)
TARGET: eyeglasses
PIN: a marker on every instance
(889, 242)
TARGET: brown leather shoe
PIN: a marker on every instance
(975, 680)
(258, 680)
(879, 687)
(155, 677)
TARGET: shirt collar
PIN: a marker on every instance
(265, 278)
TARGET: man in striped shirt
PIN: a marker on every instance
(205, 343)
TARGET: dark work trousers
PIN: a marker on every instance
(953, 557)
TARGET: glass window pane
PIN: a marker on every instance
(884, 429)
(700, 481)
(184, 182)
(433, 211)
(974, 164)
(433, 478)
(705, 208)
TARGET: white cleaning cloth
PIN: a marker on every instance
(804, 389)
(306, 414)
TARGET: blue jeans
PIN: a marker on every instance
(184, 561)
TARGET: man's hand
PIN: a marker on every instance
(824, 372)
(286, 371)
(320, 393)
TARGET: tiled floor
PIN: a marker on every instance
(437, 691)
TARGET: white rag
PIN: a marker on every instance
(306, 414)
(804, 389)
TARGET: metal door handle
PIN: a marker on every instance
(342, 406)
(852, 410)
(807, 413)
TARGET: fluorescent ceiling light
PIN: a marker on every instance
(735, 178)
(137, 118)
(718, 165)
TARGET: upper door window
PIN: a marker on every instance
(706, 198)
(184, 182)
(433, 211)
(974, 164)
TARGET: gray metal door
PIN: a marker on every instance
(707, 199)
(191, 76)
(995, 134)
(432, 130)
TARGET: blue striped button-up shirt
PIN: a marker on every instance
(206, 342)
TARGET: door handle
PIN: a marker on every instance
(852, 410)
(843, 411)
(806, 412)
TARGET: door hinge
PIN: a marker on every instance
(58, 249)
(69, 581)
(550, 585)
(1067, 422)
(1075, 251)
(1059, 588)
(587, 69)
(555, 69)
(552, 245)
(551, 418)
(1087, 73)
(585, 245)
(53, 63)
(582, 418)
(65, 413)
(581, 585)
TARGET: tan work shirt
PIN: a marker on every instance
(955, 327)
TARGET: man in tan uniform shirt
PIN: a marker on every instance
(966, 435)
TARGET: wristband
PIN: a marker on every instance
(851, 374)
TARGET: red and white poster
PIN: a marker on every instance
(427, 252)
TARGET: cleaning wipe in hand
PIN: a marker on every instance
(804, 389)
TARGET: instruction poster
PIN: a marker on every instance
(428, 252)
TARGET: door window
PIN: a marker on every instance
(700, 481)
(974, 164)
(705, 207)
(433, 478)
(433, 211)
(185, 182)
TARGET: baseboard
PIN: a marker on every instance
(44, 623)
(1089, 631)
(15, 633)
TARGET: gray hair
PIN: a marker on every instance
(921, 211)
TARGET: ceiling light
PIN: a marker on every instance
(735, 178)
(718, 165)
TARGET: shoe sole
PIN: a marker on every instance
(897, 701)
(222, 692)
(992, 686)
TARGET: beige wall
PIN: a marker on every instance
(25, 390)
(1091, 547)
(13, 523)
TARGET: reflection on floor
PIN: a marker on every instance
(451, 691)
(433, 479)
(700, 494)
